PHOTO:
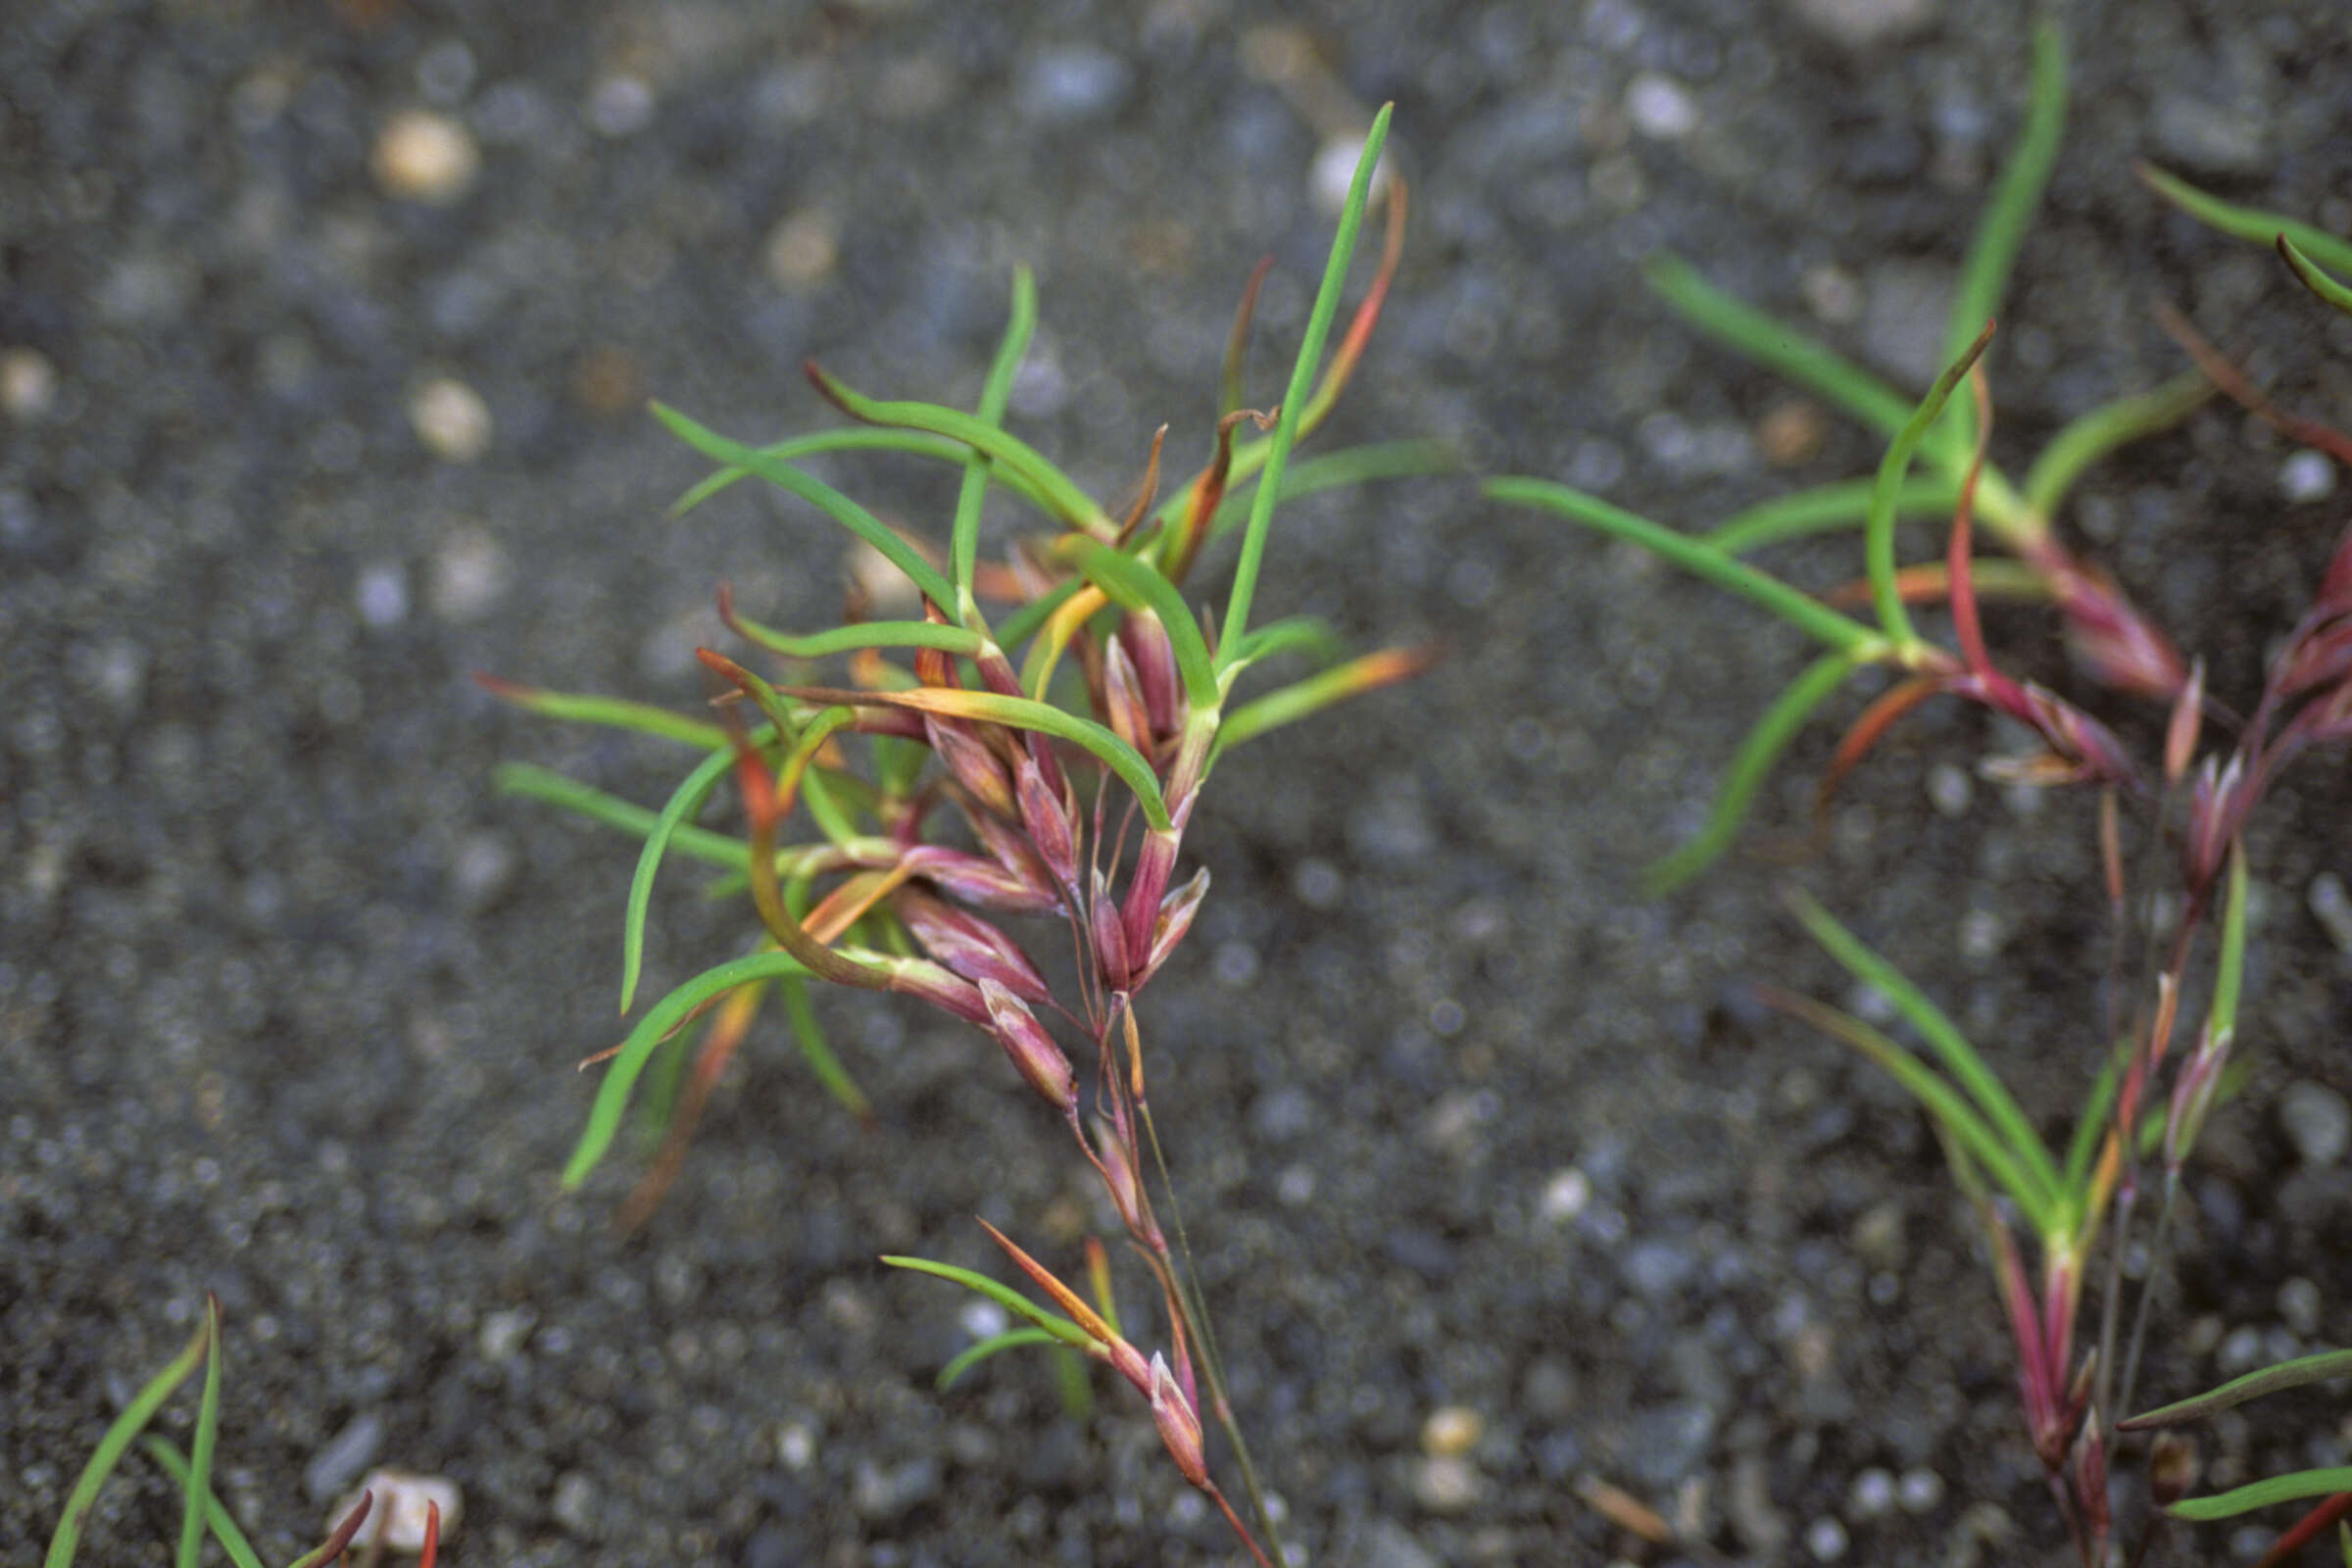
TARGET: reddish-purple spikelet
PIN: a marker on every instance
(1123, 700)
(983, 884)
(1039, 1060)
(1155, 660)
(1109, 934)
(1179, 1427)
(1047, 818)
(931, 982)
(1154, 863)
(970, 946)
(1126, 1188)
(1175, 919)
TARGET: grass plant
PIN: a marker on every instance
(2117, 1174)
(1029, 745)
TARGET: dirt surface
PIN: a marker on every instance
(289, 998)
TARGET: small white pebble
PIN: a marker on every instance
(983, 1319)
(502, 1333)
(396, 1515)
(1950, 789)
(1920, 1490)
(1825, 1538)
(575, 1503)
(2307, 476)
(1447, 1483)
(469, 576)
(1872, 1494)
(2299, 1303)
(2240, 1351)
(28, 383)
(1565, 1196)
(801, 249)
(1833, 294)
(450, 418)
(1452, 1429)
(1981, 933)
(382, 595)
(795, 1446)
(2331, 906)
(1334, 174)
(421, 155)
(1660, 106)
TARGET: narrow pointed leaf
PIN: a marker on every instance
(613, 1095)
(2313, 277)
(1292, 703)
(2301, 1372)
(859, 635)
(994, 1345)
(109, 1452)
(1293, 400)
(2262, 1493)
(545, 784)
(613, 712)
(800, 1011)
(2103, 429)
(855, 438)
(216, 1516)
(1134, 585)
(1843, 505)
(684, 802)
(1059, 1329)
(1697, 556)
(1878, 533)
(1329, 470)
(2248, 223)
(1992, 252)
(963, 551)
(197, 1490)
(1751, 765)
(1310, 635)
(1958, 1056)
(1777, 346)
(831, 502)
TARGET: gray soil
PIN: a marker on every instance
(290, 999)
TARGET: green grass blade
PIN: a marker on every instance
(2103, 429)
(109, 1452)
(1294, 398)
(613, 712)
(1133, 584)
(2091, 1123)
(1004, 1295)
(855, 438)
(1951, 1047)
(613, 1095)
(861, 635)
(197, 1490)
(964, 552)
(1317, 692)
(1696, 556)
(994, 1345)
(1294, 634)
(1828, 507)
(1993, 253)
(1878, 537)
(684, 802)
(801, 1010)
(2249, 222)
(2230, 972)
(1024, 713)
(1329, 470)
(2298, 1373)
(1022, 624)
(1060, 493)
(1756, 337)
(1951, 1112)
(2262, 1493)
(2314, 278)
(217, 1517)
(1751, 765)
(545, 784)
(831, 502)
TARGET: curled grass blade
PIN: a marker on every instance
(855, 438)
(613, 712)
(1022, 712)
(1828, 507)
(1061, 497)
(2262, 1493)
(1992, 252)
(1953, 1114)
(2298, 1373)
(2026, 1151)
(216, 1516)
(801, 1012)
(2103, 429)
(684, 802)
(1699, 558)
(1293, 635)
(818, 494)
(545, 784)
(2313, 277)
(1756, 337)
(665, 1016)
(1877, 538)
(197, 1490)
(1293, 400)
(118, 1439)
(1133, 584)
(2247, 222)
(1751, 765)
(963, 551)
(1059, 1328)
(994, 1345)
(1337, 684)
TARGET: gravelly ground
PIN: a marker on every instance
(288, 998)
